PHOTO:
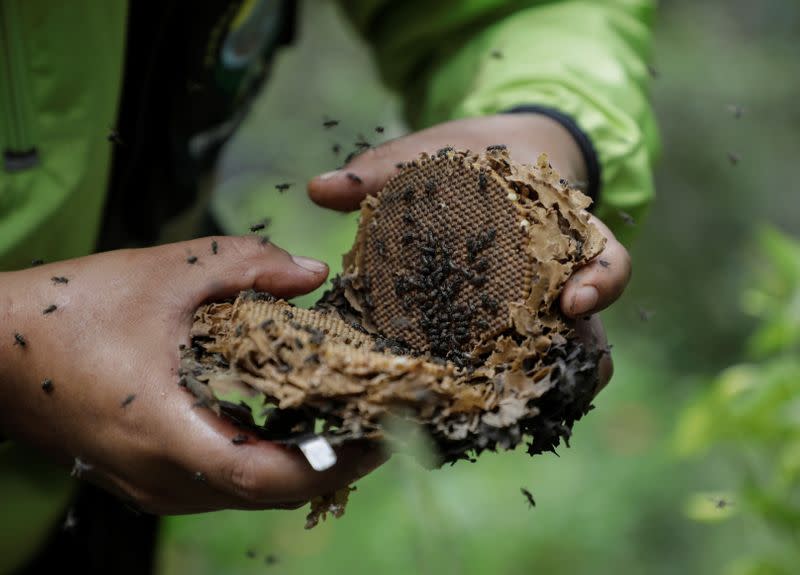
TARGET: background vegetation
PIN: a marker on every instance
(680, 469)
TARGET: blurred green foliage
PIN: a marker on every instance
(620, 500)
(752, 410)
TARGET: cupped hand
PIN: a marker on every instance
(592, 288)
(104, 330)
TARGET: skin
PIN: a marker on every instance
(123, 314)
(591, 288)
(116, 332)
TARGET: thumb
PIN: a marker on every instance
(222, 266)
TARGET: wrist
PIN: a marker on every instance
(576, 150)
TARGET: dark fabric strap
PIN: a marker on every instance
(581, 138)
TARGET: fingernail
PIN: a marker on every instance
(585, 299)
(310, 264)
(329, 175)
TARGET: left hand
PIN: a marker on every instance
(590, 289)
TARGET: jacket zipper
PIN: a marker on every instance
(20, 152)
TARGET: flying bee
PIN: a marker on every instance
(734, 158)
(283, 187)
(379, 129)
(330, 123)
(626, 217)
(736, 110)
(496, 54)
(528, 496)
(114, 137)
(37, 262)
(79, 467)
(361, 143)
(336, 149)
(49, 309)
(645, 314)
(257, 227)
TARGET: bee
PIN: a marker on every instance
(354, 178)
(250, 554)
(442, 152)
(79, 467)
(47, 385)
(408, 219)
(263, 240)
(482, 181)
(259, 226)
(336, 149)
(735, 110)
(720, 502)
(496, 147)
(37, 262)
(528, 496)
(645, 314)
(283, 187)
(430, 186)
(734, 158)
(626, 217)
(380, 247)
(604, 263)
(114, 137)
(361, 143)
(270, 559)
(652, 71)
(199, 476)
(379, 129)
(49, 309)
(214, 247)
(191, 260)
(59, 280)
(20, 340)
(329, 123)
(496, 54)
(70, 521)
(239, 439)
(407, 194)
(128, 400)
(400, 165)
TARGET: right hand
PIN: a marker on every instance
(116, 332)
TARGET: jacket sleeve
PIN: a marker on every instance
(584, 59)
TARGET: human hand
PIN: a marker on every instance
(110, 349)
(591, 288)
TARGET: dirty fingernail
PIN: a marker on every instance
(309, 264)
(328, 175)
(585, 299)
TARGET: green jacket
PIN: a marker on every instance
(61, 70)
